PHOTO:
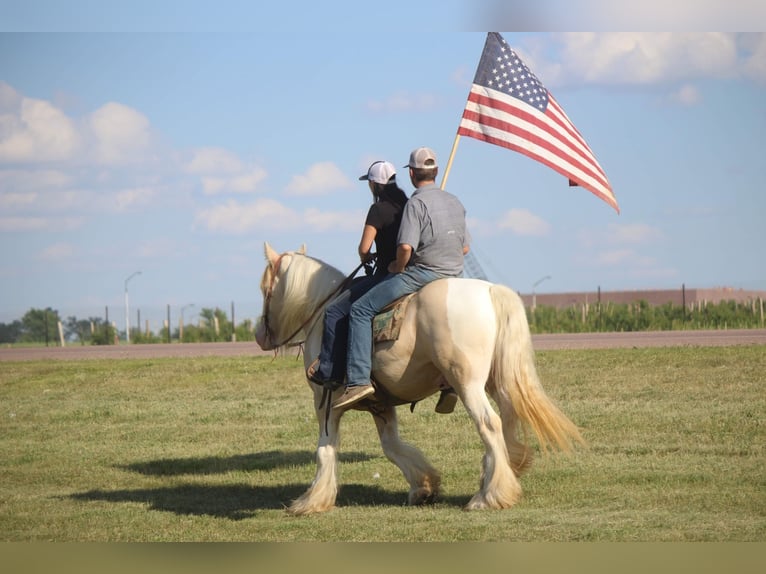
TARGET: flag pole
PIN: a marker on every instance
(449, 161)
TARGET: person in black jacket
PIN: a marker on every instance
(380, 228)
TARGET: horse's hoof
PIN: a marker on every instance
(422, 496)
(306, 511)
(476, 503)
(302, 508)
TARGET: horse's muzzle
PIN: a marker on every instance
(262, 337)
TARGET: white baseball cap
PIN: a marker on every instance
(379, 172)
(420, 158)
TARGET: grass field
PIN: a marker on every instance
(213, 449)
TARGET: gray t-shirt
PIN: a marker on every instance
(433, 223)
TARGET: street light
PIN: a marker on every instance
(127, 315)
(534, 296)
(181, 326)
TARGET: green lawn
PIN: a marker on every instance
(213, 449)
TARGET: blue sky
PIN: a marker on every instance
(176, 143)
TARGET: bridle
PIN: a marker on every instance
(267, 303)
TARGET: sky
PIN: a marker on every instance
(175, 138)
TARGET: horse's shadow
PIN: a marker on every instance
(237, 501)
(222, 464)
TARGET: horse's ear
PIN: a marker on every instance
(302, 250)
(271, 255)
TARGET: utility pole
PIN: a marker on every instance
(534, 296)
(127, 316)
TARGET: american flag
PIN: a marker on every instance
(508, 106)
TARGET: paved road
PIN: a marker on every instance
(541, 343)
(651, 339)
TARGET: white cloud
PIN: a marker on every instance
(475, 225)
(626, 259)
(463, 77)
(633, 233)
(35, 223)
(236, 218)
(223, 172)
(686, 95)
(524, 222)
(644, 57)
(679, 15)
(33, 179)
(34, 130)
(614, 257)
(244, 183)
(9, 98)
(321, 178)
(213, 160)
(122, 134)
(755, 61)
(14, 224)
(161, 248)
(57, 252)
(126, 198)
(332, 220)
(10, 201)
(620, 234)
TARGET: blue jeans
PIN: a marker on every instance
(332, 355)
(363, 311)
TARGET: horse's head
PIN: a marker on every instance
(271, 329)
(295, 289)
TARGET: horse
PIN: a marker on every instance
(470, 334)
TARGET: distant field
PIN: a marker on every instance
(213, 448)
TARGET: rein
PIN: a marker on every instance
(267, 327)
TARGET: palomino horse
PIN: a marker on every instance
(468, 333)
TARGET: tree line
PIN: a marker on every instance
(41, 326)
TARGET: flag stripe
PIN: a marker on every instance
(491, 117)
(540, 128)
(502, 138)
(555, 111)
(508, 106)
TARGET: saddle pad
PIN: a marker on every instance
(387, 324)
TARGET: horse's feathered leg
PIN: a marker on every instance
(500, 488)
(323, 491)
(519, 454)
(424, 479)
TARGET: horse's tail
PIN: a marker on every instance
(517, 388)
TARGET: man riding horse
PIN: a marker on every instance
(431, 244)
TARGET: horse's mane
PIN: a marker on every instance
(306, 283)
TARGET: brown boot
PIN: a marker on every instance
(353, 395)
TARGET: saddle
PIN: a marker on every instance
(387, 324)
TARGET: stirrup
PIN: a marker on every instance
(311, 372)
